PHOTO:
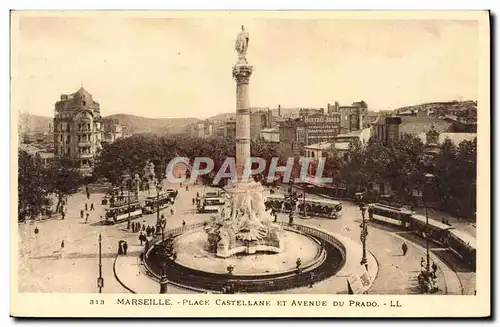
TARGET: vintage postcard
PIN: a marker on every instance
(250, 164)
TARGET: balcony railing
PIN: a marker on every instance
(85, 155)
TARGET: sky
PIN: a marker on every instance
(181, 67)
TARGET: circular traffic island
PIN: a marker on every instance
(307, 256)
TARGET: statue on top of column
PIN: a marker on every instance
(241, 45)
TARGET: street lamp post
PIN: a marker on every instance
(158, 223)
(100, 280)
(428, 178)
(128, 196)
(163, 281)
(364, 233)
(304, 196)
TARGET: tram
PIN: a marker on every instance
(463, 245)
(214, 198)
(155, 202)
(389, 215)
(208, 205)
(321, 208)
(120, 213)
(437, 231)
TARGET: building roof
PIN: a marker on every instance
(415, 125)
(343, 146)
(350, 134)
(270, 130)
(319, 146)
(456, 138)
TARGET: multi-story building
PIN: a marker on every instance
(202, 129)
(230, 128)
(352, 118)
(320, 128)
(111, 130)
(270, 134)
(260, 118)
(77, 129)
(386, 129)
(291, 137)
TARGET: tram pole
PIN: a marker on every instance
(128, 196)
(100, 280)
(158, 224)
(428, 178)
(364, 233)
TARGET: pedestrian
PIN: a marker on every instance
(36, 230)
(422, 262)
(187, 188)
(88, 196)
(141, 238)
(311, 279)
(404, 247)
(92, 206)
(183, 223)
(86, 207)
(62, 245)
(125, 247)
(81, 214)
(143, 227)
(87, 217)
(152, 230)
(434, 267)
(133, 228)
(181, 184)
(197, 194)
(100, 219)
(63, 214)
(194, 200)
(172, 211)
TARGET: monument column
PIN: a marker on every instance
(241, 73)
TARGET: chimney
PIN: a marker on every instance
(337, 106)
(279, 110)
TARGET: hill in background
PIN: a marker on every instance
(137, 124)
(159, 126)
(34, 123)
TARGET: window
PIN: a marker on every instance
(312, 153)
(68, 139)
(346, 157)
(346, 118)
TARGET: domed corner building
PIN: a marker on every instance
(77, 129)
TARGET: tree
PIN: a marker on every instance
(32, 190)
(62, 181)
(405, 168)
(333, 165)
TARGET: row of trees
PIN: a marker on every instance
(405, 165)
(132, 154)
(38, 186)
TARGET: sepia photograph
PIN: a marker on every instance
(250, 163)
